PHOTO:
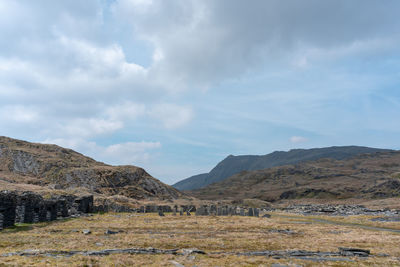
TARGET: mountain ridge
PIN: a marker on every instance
(371, 176)
(234, 164)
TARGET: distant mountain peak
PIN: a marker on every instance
(234, 164)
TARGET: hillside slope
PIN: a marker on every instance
(374, 175)
(235, 164)
(51, 165)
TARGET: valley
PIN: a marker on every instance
(121, 215)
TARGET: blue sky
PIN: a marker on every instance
(176, 86)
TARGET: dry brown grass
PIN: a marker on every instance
(211, 234)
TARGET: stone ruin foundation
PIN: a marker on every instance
(28, 207)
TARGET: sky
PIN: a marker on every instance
(176, 86)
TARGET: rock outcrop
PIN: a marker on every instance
(60, 168)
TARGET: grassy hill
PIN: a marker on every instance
(375, 175)
(235, 164)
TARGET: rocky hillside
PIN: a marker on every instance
(53, 166)
(235, 164)
(374, 175)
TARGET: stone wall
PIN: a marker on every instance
(8, 203)
(154, 208)
(213, 210)
(166, 208)
(205, 210)
(84, 204)
(28, 207)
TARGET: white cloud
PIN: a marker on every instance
(18, 114)
(298, 139)
(90, 127)
(129, 153)
(171, 116)
(371, 46)
(70, 70)
(126, 110)
(101, 61)
(201, 43)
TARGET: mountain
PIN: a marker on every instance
(235, 164)
(60, 168)
(375, 175)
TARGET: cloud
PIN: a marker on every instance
(129, 153)
(101, 62)
(115, 72)
(90, 127)
(18, 114)
(206, 42)
(298, 139)
(126, 110)
(171, 116)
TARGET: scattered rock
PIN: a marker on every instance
(189, 251)
(311, 255)
(382, 255)
(321, 259)
(86, 232)
(278, 254)
(338, 232)
(110, 232)
(283, 231)
(386, 219)
(354, 252)
(176, 264)
(336, 210)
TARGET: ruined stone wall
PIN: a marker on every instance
(84, 204)
(28, 207)
(213, 210)
(7, 209)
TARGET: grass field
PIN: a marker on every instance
(220, 237)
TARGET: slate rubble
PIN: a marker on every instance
(299, 254)
(335, 210)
